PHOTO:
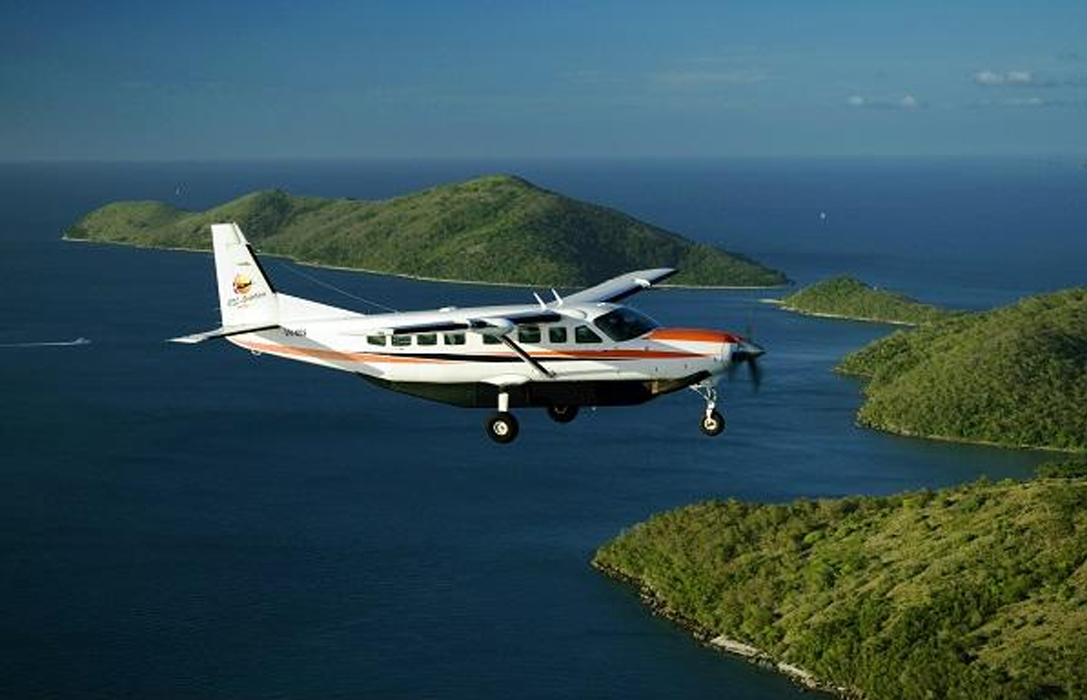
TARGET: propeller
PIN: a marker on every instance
(747, 353)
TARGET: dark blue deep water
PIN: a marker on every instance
(194, 522)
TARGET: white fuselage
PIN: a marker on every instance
(572, 348)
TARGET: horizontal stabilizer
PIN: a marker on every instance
(222, 332)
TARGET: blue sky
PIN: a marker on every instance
(196, 80)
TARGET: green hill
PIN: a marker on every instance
(491, 229)
(1015, 376)
(845, 297)
(978, 591)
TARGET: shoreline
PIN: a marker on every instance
(963, 441)
(719, 642)
(417, 278)
(780, 303)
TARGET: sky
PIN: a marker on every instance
(508, 79)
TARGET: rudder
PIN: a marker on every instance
(246, 296)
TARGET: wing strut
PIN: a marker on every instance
(526, 357)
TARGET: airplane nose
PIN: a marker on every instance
(747, 353)
(746, 350)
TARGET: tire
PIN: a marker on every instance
(502, 427)
(562, 414)
(712, 424)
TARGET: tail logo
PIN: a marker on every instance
(242, 283)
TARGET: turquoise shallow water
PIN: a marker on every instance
(197, 522)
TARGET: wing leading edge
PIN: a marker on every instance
(620, 287)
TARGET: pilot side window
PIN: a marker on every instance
(401, 341)
(625, 323)
(528, 334)
(491, 340)
(427, 339)
(557, 334)
(375, 340)
(584, 334)
(453, 338)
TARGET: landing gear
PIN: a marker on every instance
(712, 422)
(502, 427)
(562, 414)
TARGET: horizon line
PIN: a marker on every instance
(545, 158)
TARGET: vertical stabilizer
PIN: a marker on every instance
(246, 297)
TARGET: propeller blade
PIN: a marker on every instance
(755, 372)
(748, 353)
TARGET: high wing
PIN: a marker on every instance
(501, 323)
(620, 287)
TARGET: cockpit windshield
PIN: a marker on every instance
(625, 323)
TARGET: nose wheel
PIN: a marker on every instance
(712, 422)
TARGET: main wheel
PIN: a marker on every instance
(502, 427)
(562, 414)
(712, 423)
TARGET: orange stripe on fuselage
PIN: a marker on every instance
(699, 335)
(368, 357)
(326, 354)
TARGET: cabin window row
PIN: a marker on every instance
(532, 335)
(399, 341)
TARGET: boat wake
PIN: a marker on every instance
(48, 343)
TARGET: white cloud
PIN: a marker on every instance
(1020, 77)
(990, 78)
(1032, 102)
(905, 102)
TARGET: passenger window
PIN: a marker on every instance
(375, 340)
(557, 334)
(427, 339)
(584, 334)
(400, 341)
(491, 340)
(454, 338)
(528, 334)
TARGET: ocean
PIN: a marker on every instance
(196, 522)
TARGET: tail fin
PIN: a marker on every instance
(246, 297)
(247, 301)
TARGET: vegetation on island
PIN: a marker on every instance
(977, 591)
(846, 297)
(1015, 376)
(491, 229)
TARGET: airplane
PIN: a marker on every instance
(585, 349)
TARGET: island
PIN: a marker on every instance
(1015, 376)
(849, 298)
(495, 229)
(977, 591)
